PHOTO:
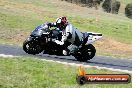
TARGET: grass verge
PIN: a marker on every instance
(29, 72)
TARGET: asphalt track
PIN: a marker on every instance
(101, 61)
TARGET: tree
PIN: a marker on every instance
(128, 10)
(115, 7)
(111, 6)
(107, 6)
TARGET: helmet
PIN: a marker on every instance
(61, 22)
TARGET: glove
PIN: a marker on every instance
(49, 25)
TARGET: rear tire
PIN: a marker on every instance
(87, 52)
(91, 50)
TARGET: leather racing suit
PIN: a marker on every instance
(72, 35)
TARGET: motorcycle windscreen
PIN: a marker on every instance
(41, 29)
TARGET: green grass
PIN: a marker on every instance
(125, 1)
(28, 72)
(17, 22)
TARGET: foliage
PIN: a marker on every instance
(128, 10)
(111, 6)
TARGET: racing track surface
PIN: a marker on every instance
(101, 61)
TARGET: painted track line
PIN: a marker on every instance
(88, 66)
(3, 55)
(74, 64)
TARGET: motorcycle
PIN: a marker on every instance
(40, 40)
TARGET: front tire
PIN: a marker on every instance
(31, 47)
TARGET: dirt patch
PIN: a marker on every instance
(109, 45)
(14, 36)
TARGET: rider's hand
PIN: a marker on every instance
(49, 25)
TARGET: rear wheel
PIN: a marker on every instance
(31, 47)
(87, 52)
(91, 51)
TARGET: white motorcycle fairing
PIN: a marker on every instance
(92, 37)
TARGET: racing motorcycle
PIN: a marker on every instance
(40, 40)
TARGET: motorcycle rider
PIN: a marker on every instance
(69, 33)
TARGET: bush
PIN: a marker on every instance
(128, 10)
(89, 3)
(107, 6)
(111, 6)
(115, 7)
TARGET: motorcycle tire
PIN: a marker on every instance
(91, 50)
(87, 52)
(31, 47)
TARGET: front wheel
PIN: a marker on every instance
(31, 47)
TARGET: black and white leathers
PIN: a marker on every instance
(72, 35)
